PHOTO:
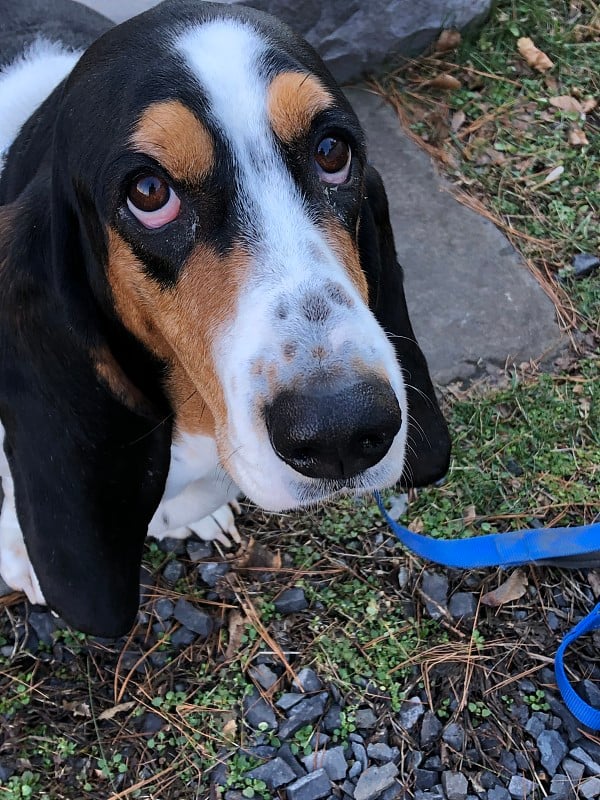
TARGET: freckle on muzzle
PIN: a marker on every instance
(334, 430)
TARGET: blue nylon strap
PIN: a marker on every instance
(499, 549)
(584, 712)
(510, 549)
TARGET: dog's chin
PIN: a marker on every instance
(297, 491)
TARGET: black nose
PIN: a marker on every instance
(333, 431)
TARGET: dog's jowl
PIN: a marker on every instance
(199, 295)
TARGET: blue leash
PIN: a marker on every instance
(508, 550)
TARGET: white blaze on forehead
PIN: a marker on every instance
(226, 56)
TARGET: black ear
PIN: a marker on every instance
(428, 451)
(88, 453)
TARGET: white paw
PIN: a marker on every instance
(219, 526)
(15, 566)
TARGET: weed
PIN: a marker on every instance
(537, 701)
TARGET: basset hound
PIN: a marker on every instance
(199, 294)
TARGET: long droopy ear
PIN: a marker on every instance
(88, 452)
(428, 450)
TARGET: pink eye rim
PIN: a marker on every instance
(152, 201)
(333, 159)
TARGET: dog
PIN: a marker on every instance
(199, 295)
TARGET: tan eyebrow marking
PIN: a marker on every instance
(293, 101)
(170, 133)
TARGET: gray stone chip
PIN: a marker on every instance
(455, 785)
(374, 781)
(307, 680)
(258, 712)
(291, 601)
(274, 773)
(521, 788)
(410, 713)
(192, 618)
(332, 761)
(552, 749)
(313, 786)
(430, 729)
(435, 590)
(590, 788)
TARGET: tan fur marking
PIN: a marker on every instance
(180, 325)
(110, 372)
(170, 133)
(293, 101)
(347, 251)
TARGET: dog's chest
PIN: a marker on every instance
(193, 457)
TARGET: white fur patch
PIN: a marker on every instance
(15, 566)
(226, 58)
(197, 486)
(27, 82)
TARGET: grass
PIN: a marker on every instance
(525, 452)
(506, 147)
(528, 453)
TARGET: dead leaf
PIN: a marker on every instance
(448, 40)
(416, 525)
(112, 712)
(535, 57)
(443, 81)
(469, 515)
(77, 709)
(589, 104)
(257, 557)
(458, 120)
(577, 137)
(566, 103)
(229, 730)
(513, 587)
(552, 176)
(237, 623)
(594, 580)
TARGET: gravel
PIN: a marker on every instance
(310, 739)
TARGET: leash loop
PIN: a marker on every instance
(508, 550)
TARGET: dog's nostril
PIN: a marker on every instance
(334, 431)
(372, 442)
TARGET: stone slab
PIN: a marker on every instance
(353, 36)
(474, 304)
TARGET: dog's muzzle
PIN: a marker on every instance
(334, 429)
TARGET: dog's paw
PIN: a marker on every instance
(15, 566)
(219, 526)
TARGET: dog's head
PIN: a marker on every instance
(220, 250)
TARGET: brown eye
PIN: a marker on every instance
(149, 193)
(333, 157)
(152, 201)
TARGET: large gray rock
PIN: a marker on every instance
(353, 36)
(473, 302)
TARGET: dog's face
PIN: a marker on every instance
(228, 178)
(203, 250)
